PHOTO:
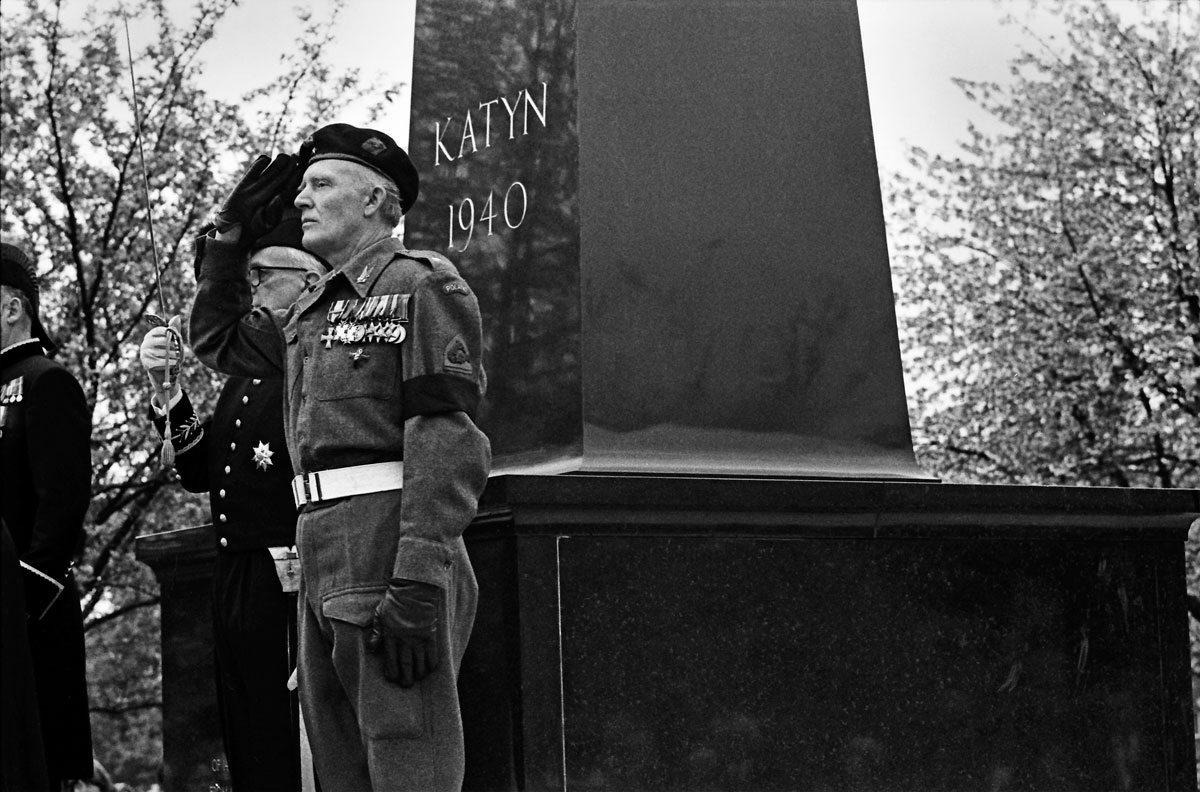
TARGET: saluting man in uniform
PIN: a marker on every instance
(241, 459)
(45, 446)
(383, 375)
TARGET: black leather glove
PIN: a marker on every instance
(406, 626)
(262, 185)
(304, 154)
(281, 206)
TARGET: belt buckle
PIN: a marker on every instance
(302, 490)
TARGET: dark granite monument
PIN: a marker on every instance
(739, 578)
(672, 217)
(708, 559)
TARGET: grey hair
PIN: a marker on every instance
(286, 256)
(390, 210)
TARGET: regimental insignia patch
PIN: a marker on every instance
(457, 359)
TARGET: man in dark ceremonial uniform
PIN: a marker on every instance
(241, 459)
(47, 482)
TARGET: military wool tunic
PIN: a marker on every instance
(389, 337)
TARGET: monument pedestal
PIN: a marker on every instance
(182, 561)
(661, 633)
(701, 633)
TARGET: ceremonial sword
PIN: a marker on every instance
(167, 456)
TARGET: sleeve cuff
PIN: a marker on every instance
(162, 411)
(423, 561)
(186, 429)
(222, 261)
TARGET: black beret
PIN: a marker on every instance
(17, 271)
(366, 147)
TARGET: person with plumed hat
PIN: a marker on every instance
(240, 458)
(383, 376)
(45, 448)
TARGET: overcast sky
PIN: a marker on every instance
(912, 49)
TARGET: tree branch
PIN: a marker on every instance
(92, 624)
(124, 709)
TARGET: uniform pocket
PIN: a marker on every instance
(355, 371)
(385, 710)
(353, 607)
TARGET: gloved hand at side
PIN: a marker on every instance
(406, 627)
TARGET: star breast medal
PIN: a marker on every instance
(262, 456)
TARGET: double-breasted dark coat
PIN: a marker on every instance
(45, 449)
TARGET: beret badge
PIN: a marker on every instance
(374, 146)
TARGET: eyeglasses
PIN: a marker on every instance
(256, 273)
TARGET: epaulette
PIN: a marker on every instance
(429, 256)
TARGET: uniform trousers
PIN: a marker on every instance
(254, 625)
(366, 732)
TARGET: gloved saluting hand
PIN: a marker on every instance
(406, 626)
(161, 354)
(304, 154)
(257, 202)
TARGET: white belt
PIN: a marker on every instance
(343, 482)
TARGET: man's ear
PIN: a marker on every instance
(374, 201)
(10, 308)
